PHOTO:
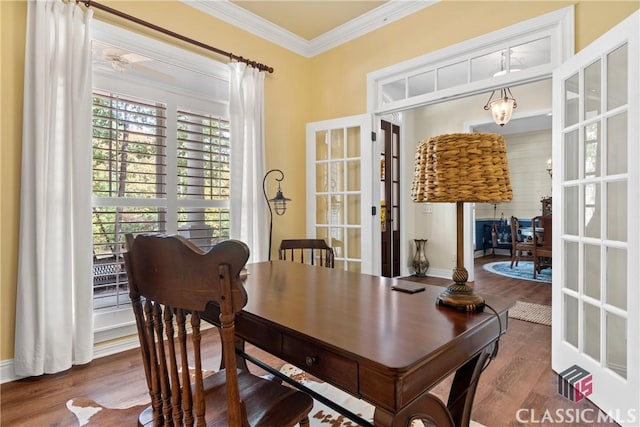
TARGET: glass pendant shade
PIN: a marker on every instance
(502, 107)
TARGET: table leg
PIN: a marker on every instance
(427, 407)
(431, 409)
(463, 388)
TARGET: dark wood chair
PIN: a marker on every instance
(542, 245)
(171, 280)
(521, 249)
(309, 251)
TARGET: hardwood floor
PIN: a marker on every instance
(518, 388)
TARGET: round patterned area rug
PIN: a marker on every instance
(523, 271)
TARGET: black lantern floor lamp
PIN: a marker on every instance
(279, 202)
(458, 168)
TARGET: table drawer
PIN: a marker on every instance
(324, 364)
(258, 334)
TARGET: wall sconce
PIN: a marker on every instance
(501, 108)
(279, 202)
(549, 169)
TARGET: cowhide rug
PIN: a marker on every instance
(322, 415)
(91, 413)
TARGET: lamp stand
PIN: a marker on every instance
(460, 295)
(264, 191)
(279, 202)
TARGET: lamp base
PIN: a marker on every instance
(460, 295)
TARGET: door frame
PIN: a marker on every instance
(559, 23)
(390, 172)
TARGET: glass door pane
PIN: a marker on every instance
(335, 188)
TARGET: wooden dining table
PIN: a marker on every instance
(385, 346)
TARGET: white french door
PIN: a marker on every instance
(596, 155)
(339, 208)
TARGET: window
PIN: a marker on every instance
(161, 158)
(130, 163)
(521, 53)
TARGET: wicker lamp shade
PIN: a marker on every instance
(458, 168)
(462, 167)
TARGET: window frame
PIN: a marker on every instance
(118, 323)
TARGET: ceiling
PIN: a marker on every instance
(517, 125)
(308, 19)
(309, 27)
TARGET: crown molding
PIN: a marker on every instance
(383, 15)
(252, 23)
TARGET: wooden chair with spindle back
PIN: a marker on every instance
(309, 251)
(171, 280)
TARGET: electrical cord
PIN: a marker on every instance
(492, 356)
(494, 353)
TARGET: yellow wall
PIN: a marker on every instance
(301, 90)
(340, 74)
(12, 22)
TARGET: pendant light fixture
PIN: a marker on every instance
(502, 107)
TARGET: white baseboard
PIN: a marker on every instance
(439, 272)
(116, 346)
(8, 372)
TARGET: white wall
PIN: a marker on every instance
(527, 154)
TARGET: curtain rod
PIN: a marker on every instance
(231, 56)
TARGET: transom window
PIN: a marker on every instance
(514, 55)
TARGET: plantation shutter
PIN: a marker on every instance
(142, 184)
(129, 185)
(203, 178)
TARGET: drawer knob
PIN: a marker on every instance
(311, 360)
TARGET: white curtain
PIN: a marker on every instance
(248, 207)
(54, 320)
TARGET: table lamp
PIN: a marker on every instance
(458, 168)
